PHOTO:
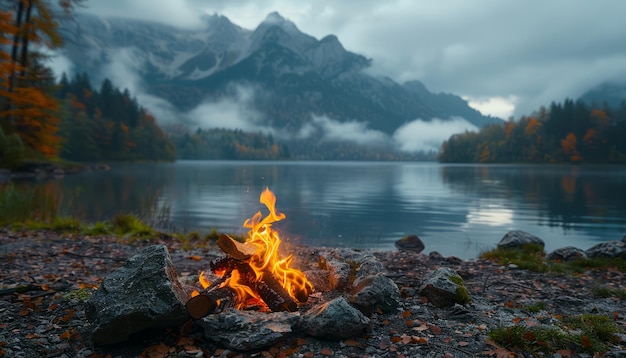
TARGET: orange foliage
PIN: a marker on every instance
(600, 116)
(484, 156)
(568, 144)
(590, 137)
(532, 127)
(30, 108)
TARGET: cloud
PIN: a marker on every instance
(420, 135)
(546, 52)
(59, 65)
(179, 13)
(350, 131)
(235, 112)
(501, 107)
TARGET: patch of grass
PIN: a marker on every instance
(606, 292)
(129, 226)
(535, 307)
(529, 257)
(596, 264)
(23, 204)
(585, 333)
(532, 257)
(98, 228)
(61, 224)
(69, 223)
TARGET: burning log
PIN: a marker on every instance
(208, 302)
(215, 300)
(268, 288)
(252, 269)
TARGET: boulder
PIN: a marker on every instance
(370, 293)
(410, 243)
(248, 330)
(345, 265)
(444, 288)
(143, 293)
(335, 320)
(565, 254)
(608, 250)
(517, 239)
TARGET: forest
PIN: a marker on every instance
(45, 120)
(227, 144)
(568, 132)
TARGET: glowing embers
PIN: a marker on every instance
(252, 271)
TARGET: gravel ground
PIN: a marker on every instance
(57, 272)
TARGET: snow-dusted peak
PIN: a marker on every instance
(278, 30)
(275, 18)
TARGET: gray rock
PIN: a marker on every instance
(376, 291)
(143, 293)
(444, 288)
(339, 272)
(565, 254)
(368, 265)
(345, 265)
(335, 320)
(607, 250)
(248, 330)
(410, 243)
(320, 279)
(516, 239)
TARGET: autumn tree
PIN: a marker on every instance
(568, 144)
(28, 107)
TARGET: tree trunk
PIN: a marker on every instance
(24, 56)
(14, 50)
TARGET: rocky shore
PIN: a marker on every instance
(46, 278)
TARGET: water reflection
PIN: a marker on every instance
(568, 197)
(487, 213)
(456, 209)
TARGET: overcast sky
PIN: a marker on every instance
(506, 57)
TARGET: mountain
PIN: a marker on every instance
(294, 77)
(611, 93)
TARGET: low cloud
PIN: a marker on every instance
(413, 137)
(60, 65)
(420, 135)
(235, 112)
(350, 131)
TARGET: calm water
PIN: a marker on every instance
(455, 209)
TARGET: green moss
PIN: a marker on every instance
(462, 296)
(81, 294)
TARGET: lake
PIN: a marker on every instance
(456, 210)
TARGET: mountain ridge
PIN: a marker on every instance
(296, 77)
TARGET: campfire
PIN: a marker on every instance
(252, 272)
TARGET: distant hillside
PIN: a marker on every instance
(293, 77)
(613, 94)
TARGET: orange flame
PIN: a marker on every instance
(266, 257)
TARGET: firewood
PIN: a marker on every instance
(234, 248)
(269, 289)
(208, 302)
